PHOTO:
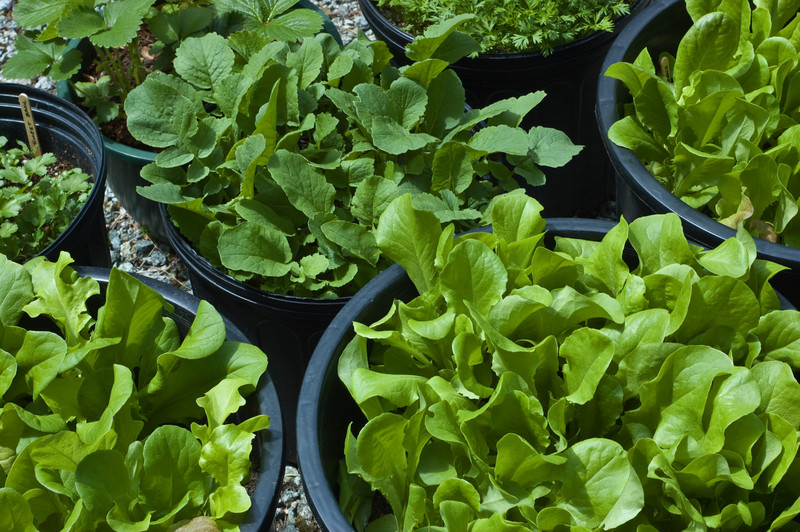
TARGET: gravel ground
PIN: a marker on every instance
(133, 250)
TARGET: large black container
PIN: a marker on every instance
(70, 135)
(660, 27)
(286, 328)
(569, 77)
(268, 446)
(326, 408)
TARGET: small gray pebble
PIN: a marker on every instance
(144, 247)
(158, 258)
(127, 267)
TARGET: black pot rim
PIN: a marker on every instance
(270, 475)
(631, 169)
(488, 60)
(94, 142)
(241, 290)
(318, 492)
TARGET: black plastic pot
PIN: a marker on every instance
(569, 77)
(326, 408)
(660, 27)
(70, 135)
(268, 446)
(286, 328)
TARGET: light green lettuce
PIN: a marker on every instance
(114, 419)
(719, 124)
(633, 383)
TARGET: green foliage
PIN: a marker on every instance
(719, 125)
(39, 198)
(504, 26)
(278, 160)
(540, 387)
(113, 29)
(100, 415)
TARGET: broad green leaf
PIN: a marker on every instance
(441, 41)
(709, 44)
(410, 237)
(452, 168)
(550, 147)
(307, 61)
(15, 512)
(132, 312)
(204, 61)
(473, 274)
(353, 238)
(171, 470)
(101, 478)
(16, 290)
(31, 13)
(251, 247)
(304, 185)
(659, 241)
(162, 110)
(516, 217)
(410, 99)
(393, 138)
(629, 133)
(587, 353)
(599, 486)
(779, 335)
(62, 294)
(779, 389)
(501, 138)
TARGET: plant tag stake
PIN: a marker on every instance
(30, 124)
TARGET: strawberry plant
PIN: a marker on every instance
(279, 159)
(114, 30)
(39, 199)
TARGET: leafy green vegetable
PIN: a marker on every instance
(501, 28)
(39, 198)
(534, 387)
(278, 161)
(115, 421)
(114, 28)
(723, 135)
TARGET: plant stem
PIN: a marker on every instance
(136, 61)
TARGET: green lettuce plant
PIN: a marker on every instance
(39, 198)
(114, 30)
(113, 421)
(541, 387)
(279, 159)
(501, 27)
(719, 124)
